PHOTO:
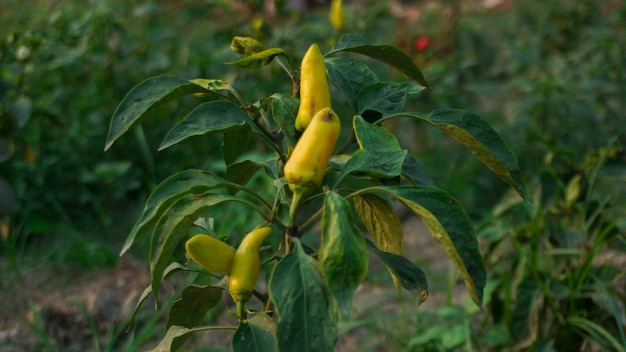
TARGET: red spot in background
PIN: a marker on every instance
(421, 43)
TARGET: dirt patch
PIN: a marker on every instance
(66, 309)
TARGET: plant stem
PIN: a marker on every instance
(292, 226)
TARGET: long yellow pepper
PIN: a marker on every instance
(314, 93)
(307, 163)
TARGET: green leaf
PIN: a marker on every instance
(596, 333)
(450, 226)
(284, 110)
(481, 139)
(243, 171)
(189, 310)
(172, 227)
(307, 308)
(382, 223)
(257, 334)
(349, 75)
(525, 320)
(343, 252)
(211, 117)
(143, 99)
(246, 46)
(415, 172)
(175, 331)
(388, 54)
(214, 85)
(386, 97)
(234, 143)
(380, 154)
(172, 268)
(259, 59)
(165, 194)
(410, 275)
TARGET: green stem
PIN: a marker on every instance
(292, 226)
(241, 311)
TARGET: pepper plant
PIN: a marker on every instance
(319, 248)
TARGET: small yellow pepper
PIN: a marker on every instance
(211, 253)
(246, 267)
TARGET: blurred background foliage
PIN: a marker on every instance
(549, 76)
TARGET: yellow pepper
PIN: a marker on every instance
(305, 169)
(336, 14)
(314, 93)
(246, 267)
(211, 253)
(307, 163)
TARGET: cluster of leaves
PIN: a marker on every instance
(550, 77)
(53, 179)
(369, 170)
(541, 73)
(556, 267)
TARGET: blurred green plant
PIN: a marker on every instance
(557, 269)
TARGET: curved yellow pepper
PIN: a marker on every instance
(314, 93)
(211, 253)
(246, 267)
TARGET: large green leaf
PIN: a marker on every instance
(450, 226)
(143, 99)
(481, 139)
(234, 143)
(379, 155)
(257, 334)
(304, 303)
(382, 223)
(189, 310)
(243, 171)
(172, 227)
(386, 53)
(415, 172)
(173, 188)
(259, 59)
(214, 116)
(409, 275)
(349, 75)
(386, 97)
(343, 252)
(284, 109)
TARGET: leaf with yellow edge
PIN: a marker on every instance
(449, 225)
(383, 224)
(477, 135)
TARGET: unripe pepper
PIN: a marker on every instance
(246, 267)
(314, 93)
(211, 253)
